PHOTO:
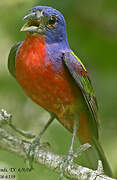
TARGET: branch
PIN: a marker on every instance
(50, 160)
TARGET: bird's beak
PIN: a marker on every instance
(28, 27)
(33, 23)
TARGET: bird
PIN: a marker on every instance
(51, 74)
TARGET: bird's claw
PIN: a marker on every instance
(33, 151)
(66, 162)
(70, 158)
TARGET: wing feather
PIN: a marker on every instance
(79, 73)
(11, 58)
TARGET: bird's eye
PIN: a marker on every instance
(52, 21)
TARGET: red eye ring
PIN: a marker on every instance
(52, 25)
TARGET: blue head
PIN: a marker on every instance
(46, 21)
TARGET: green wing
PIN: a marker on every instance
(11, 59)
(79, 73)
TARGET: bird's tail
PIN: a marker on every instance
(96, 153)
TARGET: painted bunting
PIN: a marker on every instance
(55, 78)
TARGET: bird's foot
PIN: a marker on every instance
(33, 149)
(36, 145)
(68, 160)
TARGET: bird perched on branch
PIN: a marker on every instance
(55, 78)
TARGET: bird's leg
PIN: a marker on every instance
(36, 142)
(70, 155)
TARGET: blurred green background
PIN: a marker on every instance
(92, 34)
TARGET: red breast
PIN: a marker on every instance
(41, 82)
